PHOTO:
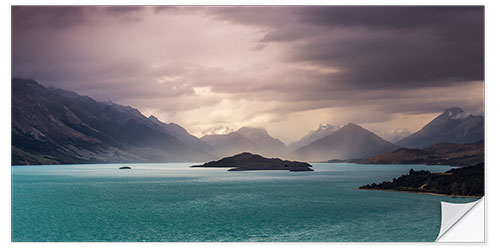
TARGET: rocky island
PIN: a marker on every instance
(466, 181)
(248, 161)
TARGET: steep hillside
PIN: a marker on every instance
(51, 126)
(453, 126)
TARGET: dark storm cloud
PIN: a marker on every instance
(394, 17)
(378, 47)
(275, 67)
(26, 18)
(380, 60)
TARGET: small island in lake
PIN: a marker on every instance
(125, 167)
(466, 181)
(248, 161)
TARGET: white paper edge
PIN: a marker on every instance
(462, 222)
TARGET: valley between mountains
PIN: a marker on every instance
(55, 126)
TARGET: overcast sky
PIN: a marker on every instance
(287, 69)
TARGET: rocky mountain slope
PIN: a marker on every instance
(51, 126)
(453, 126)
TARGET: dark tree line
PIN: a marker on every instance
(460, 181)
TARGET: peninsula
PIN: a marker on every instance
(466, 181)
(248, 161)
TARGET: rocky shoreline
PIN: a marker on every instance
(466, 181)
(423, 192)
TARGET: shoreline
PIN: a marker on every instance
(428, 193)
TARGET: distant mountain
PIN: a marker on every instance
(349, 142)
(453, 126)
(269, 146)
(322, 131)
(182, 134)
(443, 153)
(246, 139)
(51, 126)
(396, 135)
(250, 162)
(230, 144)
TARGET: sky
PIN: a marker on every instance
(286, 69)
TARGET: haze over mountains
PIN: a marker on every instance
(57, 126)
(349, 142)
(53, 126)
(230, 144)
(396, 135)
(247, 139)
(265, 142)
(443, 153)
(322, 131)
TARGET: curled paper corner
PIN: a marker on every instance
(462, 222)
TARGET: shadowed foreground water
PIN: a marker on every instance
(171, 202)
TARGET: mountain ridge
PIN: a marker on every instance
(54, 126)
(453, 126)
(51, 125)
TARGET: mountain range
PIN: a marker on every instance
(54, 126)
(352, 141)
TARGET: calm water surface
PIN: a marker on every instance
(172, 202)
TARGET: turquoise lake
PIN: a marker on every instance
(172, 202)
